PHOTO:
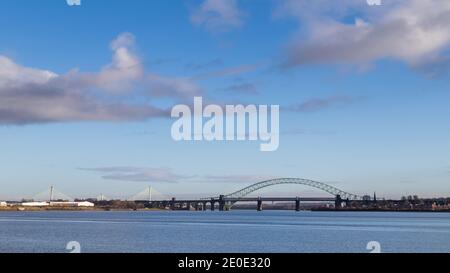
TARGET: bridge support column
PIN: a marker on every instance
(221, 203)
(297, 204)
(172, 204)
(259, 206)
(213, 204)
(338, 202)
(204, 206)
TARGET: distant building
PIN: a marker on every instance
(35, 204)
(72, 204)
(58, 204)
(85, 204)
(3, 204)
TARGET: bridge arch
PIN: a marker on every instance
(318, 185)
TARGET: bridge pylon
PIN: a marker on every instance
(148, 194)
(51, 194)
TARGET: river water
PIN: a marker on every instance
(234, 231)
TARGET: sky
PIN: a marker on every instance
(86, 93)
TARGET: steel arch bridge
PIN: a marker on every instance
(318, 185)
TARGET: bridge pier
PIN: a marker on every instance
(297, 204)
(204, 205)
(221, 203)
(259, 205)
(338, 202)
(213, 204)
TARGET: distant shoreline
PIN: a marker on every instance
(99, 209)
(380, 210)
(31, 209)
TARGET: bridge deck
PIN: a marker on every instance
(280, 199)
(252, 199)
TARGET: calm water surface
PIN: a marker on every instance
(235, 231)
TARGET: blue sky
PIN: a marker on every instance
(84, 92)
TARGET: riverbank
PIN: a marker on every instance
(100, 209)
(379, 210)
(15, 209)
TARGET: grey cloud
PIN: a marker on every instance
(234, 178)
(413, 31)
(321, 103)
(218, 15)
(55, 101)
(319, 10)
(242, 88)
(140, 174)
(434, 68)
(135, 174)
(231, 71)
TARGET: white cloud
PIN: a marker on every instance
(12, 74)
(218, 15)
(416, 32)
(125, 68)
(31, 95)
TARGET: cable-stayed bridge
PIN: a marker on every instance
(102, 197)
(51, 194)
(148, 194)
